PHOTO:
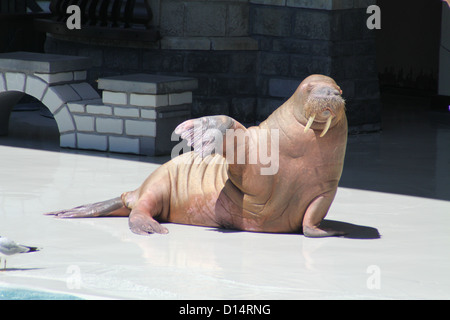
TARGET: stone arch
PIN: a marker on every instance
(53, 80)
(136, 114)
(13, 86)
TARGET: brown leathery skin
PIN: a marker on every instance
(217, 194)
(309, 132)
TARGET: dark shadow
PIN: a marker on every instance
(353, 231)
(18, 269)
(29, 124)
(221, 230)
(410, 156)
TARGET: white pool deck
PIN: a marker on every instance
(395, 184)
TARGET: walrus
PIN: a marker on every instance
(219, 190)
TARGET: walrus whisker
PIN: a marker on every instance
(327, 126)
(310, 122)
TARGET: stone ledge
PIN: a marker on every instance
(42, 62)
(147, 83)
(318, 4)
(210, 43)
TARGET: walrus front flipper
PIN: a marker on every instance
(108, 208)
(314, 215)
(143, 224)
(207, 134)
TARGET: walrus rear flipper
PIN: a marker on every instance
(109, 208)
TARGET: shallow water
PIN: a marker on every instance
(25, 294)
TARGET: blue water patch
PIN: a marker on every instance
(25, 294)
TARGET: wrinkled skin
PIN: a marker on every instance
(197, 188)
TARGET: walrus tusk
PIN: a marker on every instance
(310, 121)
(327, 126)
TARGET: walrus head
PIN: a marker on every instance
(322, 105)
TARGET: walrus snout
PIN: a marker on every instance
(324, 104)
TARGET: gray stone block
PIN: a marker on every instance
(2, 83)
(58, 95)
(234, 43)
(96, 55)
(312, 24)
(270, 2)
(147, 83)
(172, 18)
(272, 21)
(166, 61)
(42, 62)
(275, 64)
(126, 112)
(302, 46)
(243, 109)
(237, 20)
(208, 62)
(52, 78)
(244, 62)
(140, 128)
(67, 140)
(15, 81)
(122, 58)
(64, 120)
(283, 88)
(233, 86)
(185, 43)
(205, 19)
(266, 106)
(124, 144)
(92, 141)
(84, 123)
(210, 106)
(35, 87)
(85, 91)
(149, 100)
(109, 125)
(168, 119)
(303, 66)
(147, 146)
(115, 98)
(99, 109)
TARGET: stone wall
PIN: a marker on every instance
(137, 113)
(299, 38)
(250, 55)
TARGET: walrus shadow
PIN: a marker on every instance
(353, 231)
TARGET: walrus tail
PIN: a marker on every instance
(109, 208)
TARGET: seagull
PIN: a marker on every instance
(9, 247)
